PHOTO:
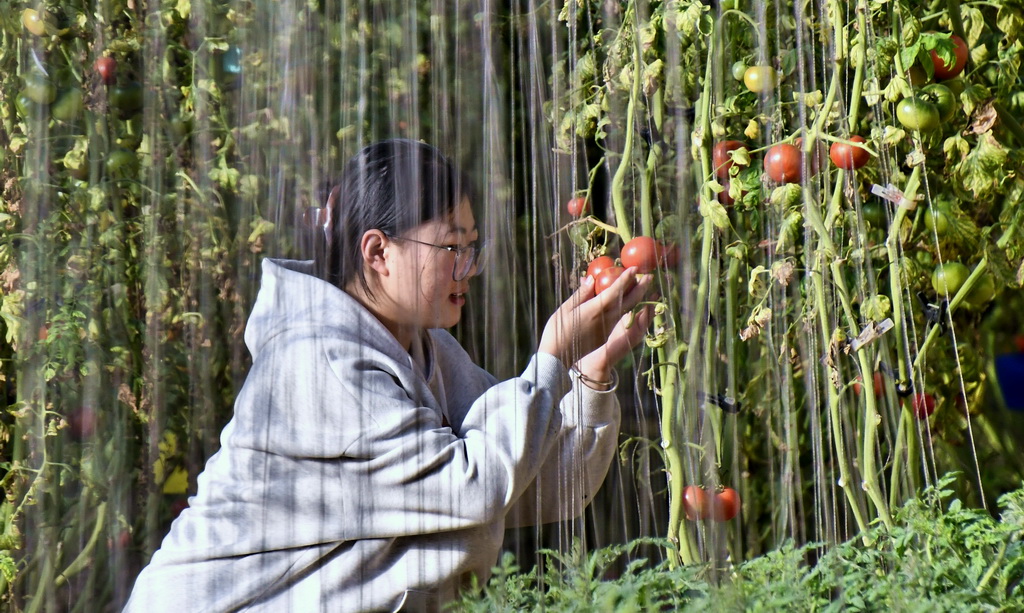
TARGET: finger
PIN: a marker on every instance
(637, 292)
(582, 294)
(612, 296)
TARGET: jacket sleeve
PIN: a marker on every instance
(578, 462)
(407, 475)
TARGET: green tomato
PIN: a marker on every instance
(982, 293)
(943, 99)
(39, 89)
(874, 214)
(127, 98)
(936, 220)
(738, 70)
(948, 278)
(69, 105)
(917, 113)
(121, 163)
(34, 21)
(26, 107)
(760, 79)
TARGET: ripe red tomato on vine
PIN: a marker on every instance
(695, 503)
(721, 159)
(726, 505)
(598, 264)
(577, 207)
(642, 252)
(849, 157)
(782, 163)
(949, 71)
(606, 278)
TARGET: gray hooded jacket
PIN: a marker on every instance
(355, 478)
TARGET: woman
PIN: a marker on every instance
(370, 465)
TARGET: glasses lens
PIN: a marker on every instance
(465, 261)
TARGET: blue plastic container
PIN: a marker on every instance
(1010, 371)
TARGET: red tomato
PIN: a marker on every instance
(695, 502)
(106, 68)
(82, 422)
(946, 71)
(598, 264)
(607, 277)
(642, 252)
(725, 505)
(923, 405)
(879, 382)
(668, 255)
(578, 207)
(849, 157)
(1019, 342)
(782, 163)
(721, 159)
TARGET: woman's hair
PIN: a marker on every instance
(392, 186)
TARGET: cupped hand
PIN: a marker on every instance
(586, 322)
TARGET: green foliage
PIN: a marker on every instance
(938, 556)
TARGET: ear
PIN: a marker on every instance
(372, 248)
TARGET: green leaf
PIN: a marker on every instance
(982, 169)
(1009, 19)
(876, 308)
(715, 212)
(184, 8)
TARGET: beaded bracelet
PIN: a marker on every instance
(589, 382)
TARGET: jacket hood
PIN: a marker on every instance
(292, 300)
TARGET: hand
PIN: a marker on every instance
(585, 322)
(628, 333)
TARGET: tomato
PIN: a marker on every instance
(121, 162)
(598, 264)
(39, 89)
(943, 99)
(106, 68)
(849, 157)
(738, 70)
(127, 98)
(879, 383)
(1019, 342)
(82, 423)
(695, 502)
(760, 79)
(723, 196)
(721, 159)
(936, 220)
(25, 106)
(782, 163)
(949, 71)
(668, 254)
(923, 405)
(577, 207)
(949, 277)
(34, 21)
(606, 278)
(916, 113)
(982, 293)
(642, 252)
(726, 505)
(69, 105)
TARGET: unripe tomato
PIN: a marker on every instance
(739, 69)
(598, 264)
(39, 89)
(949, 277)
(874, 214)
(106, 68)
(917, 113)
(943, 99)
(577, 207)
(721, 159)
(121, 163)
(34, 21)
(68, 106)
(760, 79)
(849, 157)
(606, 278)
(949, 71)
(695, 503)
(127, 98)
(641, 252)
(935, 220)
(726, 505)
(782, 163)
(982, 293)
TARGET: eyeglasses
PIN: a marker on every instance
(466, 258)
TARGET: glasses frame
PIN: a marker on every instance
(476, 248)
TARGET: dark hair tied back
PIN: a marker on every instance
(392, 186)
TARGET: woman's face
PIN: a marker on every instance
(419, 291)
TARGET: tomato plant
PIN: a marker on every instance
(916, 113)
(849, 157)
(950, 71)
(948, 277)
(695, 503)
(577, 207)
(782, 163)
(726, 504)
(943, 99)
(643, 252)
(598, 264)
(721, 158)
(760, 79)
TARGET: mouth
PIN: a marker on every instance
(458, 299)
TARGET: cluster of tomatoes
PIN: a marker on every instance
(643, 252)
(723, 505)
(934, 104)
